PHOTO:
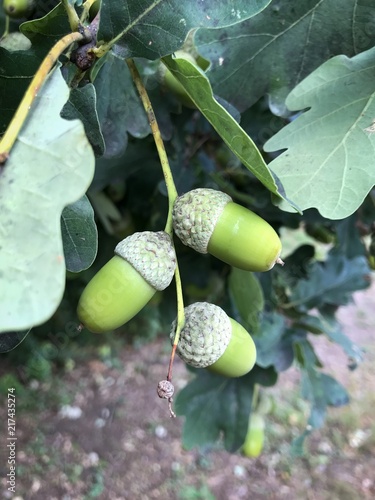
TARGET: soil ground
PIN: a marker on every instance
(98, 430)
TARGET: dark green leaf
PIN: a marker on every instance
(313, 389)
(336, 394)
(17, 70)
(329, 163)
(334, 332)
(274, 343)
(154, 28)
(79, 235)
(297, 444)
(214, 404)
(10, 340)
(306, 355)
(119, 108)
(82, 105)
(247, 295)
(331, 282)
(272, 52)
(349, 241)
(45, 32)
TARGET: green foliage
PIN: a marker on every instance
(334, 138)
(84, 173)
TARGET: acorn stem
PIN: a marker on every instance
(36, 84)
(168, 177)
(72, 15)
(172, 195)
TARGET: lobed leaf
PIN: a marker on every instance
(213, 404)
(247, 296)
(330, 159)
(79, 235)
(199, 90)
(50, 166)
(330, 282)
(272, 52)
(154, 28)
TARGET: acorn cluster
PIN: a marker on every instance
(209, 222)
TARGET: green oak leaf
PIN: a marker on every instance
(247, 296)
(46, 31)
(213, 404)
(331, 282)
(154, 28)
(119, 107)
(199, 90)
(10, 340)
(273, 51)
(17, 71)
(82, 105)
(330, 159)
(321, 390)
(274, 342)
(79, 234)
(19, 66)
(50, 166)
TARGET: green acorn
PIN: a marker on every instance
(210, 222)
(18, 8)
(211, 339)
(144, 263)
(254, 439)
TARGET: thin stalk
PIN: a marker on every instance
(72, 15)
(168, 177)
(36, 84)
(172, 195)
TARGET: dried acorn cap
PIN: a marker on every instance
(152, 255)
(205, 335)
(195, 215)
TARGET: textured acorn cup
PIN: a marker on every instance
(211, 339)
(210, 222)
(144, 263)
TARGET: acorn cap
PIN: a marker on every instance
(152, 254)
(195, 215)
(205, 335)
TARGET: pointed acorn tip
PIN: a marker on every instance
(280, 261)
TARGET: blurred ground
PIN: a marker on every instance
(98, 430)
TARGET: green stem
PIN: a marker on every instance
(36, 84)
(172, 195)
(72, 15)
(6, 28)
(168, 177)
(254, 402)
(86, 9)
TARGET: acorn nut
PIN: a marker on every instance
(254, 439)
(18, 8)
(143, 264)
(211, 339)
(210, 222)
